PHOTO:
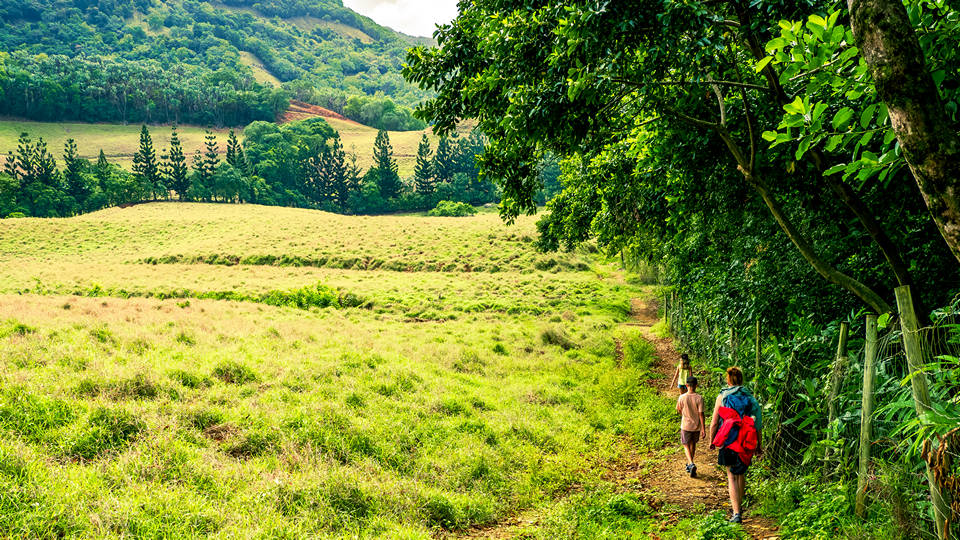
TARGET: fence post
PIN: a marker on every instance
(866, 413)
(909, 327)
(733, 346)
(756, 367)
(836, 376)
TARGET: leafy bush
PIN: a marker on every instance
(638, 352)
(554, 335)
(452, 209)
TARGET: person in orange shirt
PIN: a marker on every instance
(692, 423)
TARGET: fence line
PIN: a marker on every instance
(870, 404)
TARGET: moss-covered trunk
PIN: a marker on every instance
(930, 143)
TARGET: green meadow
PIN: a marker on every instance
(187, 370)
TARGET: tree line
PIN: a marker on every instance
(300, 164)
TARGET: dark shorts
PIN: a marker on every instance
(689, 437)
(729, 458)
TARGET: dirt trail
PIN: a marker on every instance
(662, 473)
(707, 492)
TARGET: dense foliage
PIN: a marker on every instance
(301, 164)
(743, 149)
(199, 62)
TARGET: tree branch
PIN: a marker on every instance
(681, 83)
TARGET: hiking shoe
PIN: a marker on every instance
(688, 467)
(693, 471)
(736, 519)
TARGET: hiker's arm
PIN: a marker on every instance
(758, 424)
(715, 421)
(703, 425)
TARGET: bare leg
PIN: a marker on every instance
(689, 450)
(692, 451)
(733, 486)
(741, 485)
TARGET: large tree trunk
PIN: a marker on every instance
(930, 144)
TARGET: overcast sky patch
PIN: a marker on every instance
(413, 17)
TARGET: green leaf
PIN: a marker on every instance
(883, 321)
(867, 115)
(833, 142)
(818, 21)
(835, 169)
(762, 64)
(818, 110)
(769, 135)
(776, 43)
(842, 117)
(796, 107)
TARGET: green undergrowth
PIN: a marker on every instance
(811, 507)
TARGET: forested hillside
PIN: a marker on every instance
(224, 64)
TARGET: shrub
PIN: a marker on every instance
(452, 209)
(232, 372)
(499, 349)
(638, 352)
(554, 335)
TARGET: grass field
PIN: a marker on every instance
(417, 404)
(120, 142)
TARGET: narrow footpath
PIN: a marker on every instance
(661, 473)
(708, 491)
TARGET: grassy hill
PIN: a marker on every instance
(134, 402)
(120, 142)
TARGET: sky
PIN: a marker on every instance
(413, 17)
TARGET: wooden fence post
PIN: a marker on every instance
(733, 346)
(866, 413)
(836, 377)
(756, 366)
(909, 327)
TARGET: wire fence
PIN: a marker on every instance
(814, 402)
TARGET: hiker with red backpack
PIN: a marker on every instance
(735, 429)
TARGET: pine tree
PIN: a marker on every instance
(444, 165)
(73, 175)
(23, 165)
(211, 155)
(341, 174)
(145, 165)
(388, 179)
(235, 155)
(175, 166)
(423, 172)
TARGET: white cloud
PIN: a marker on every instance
(414, 17)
